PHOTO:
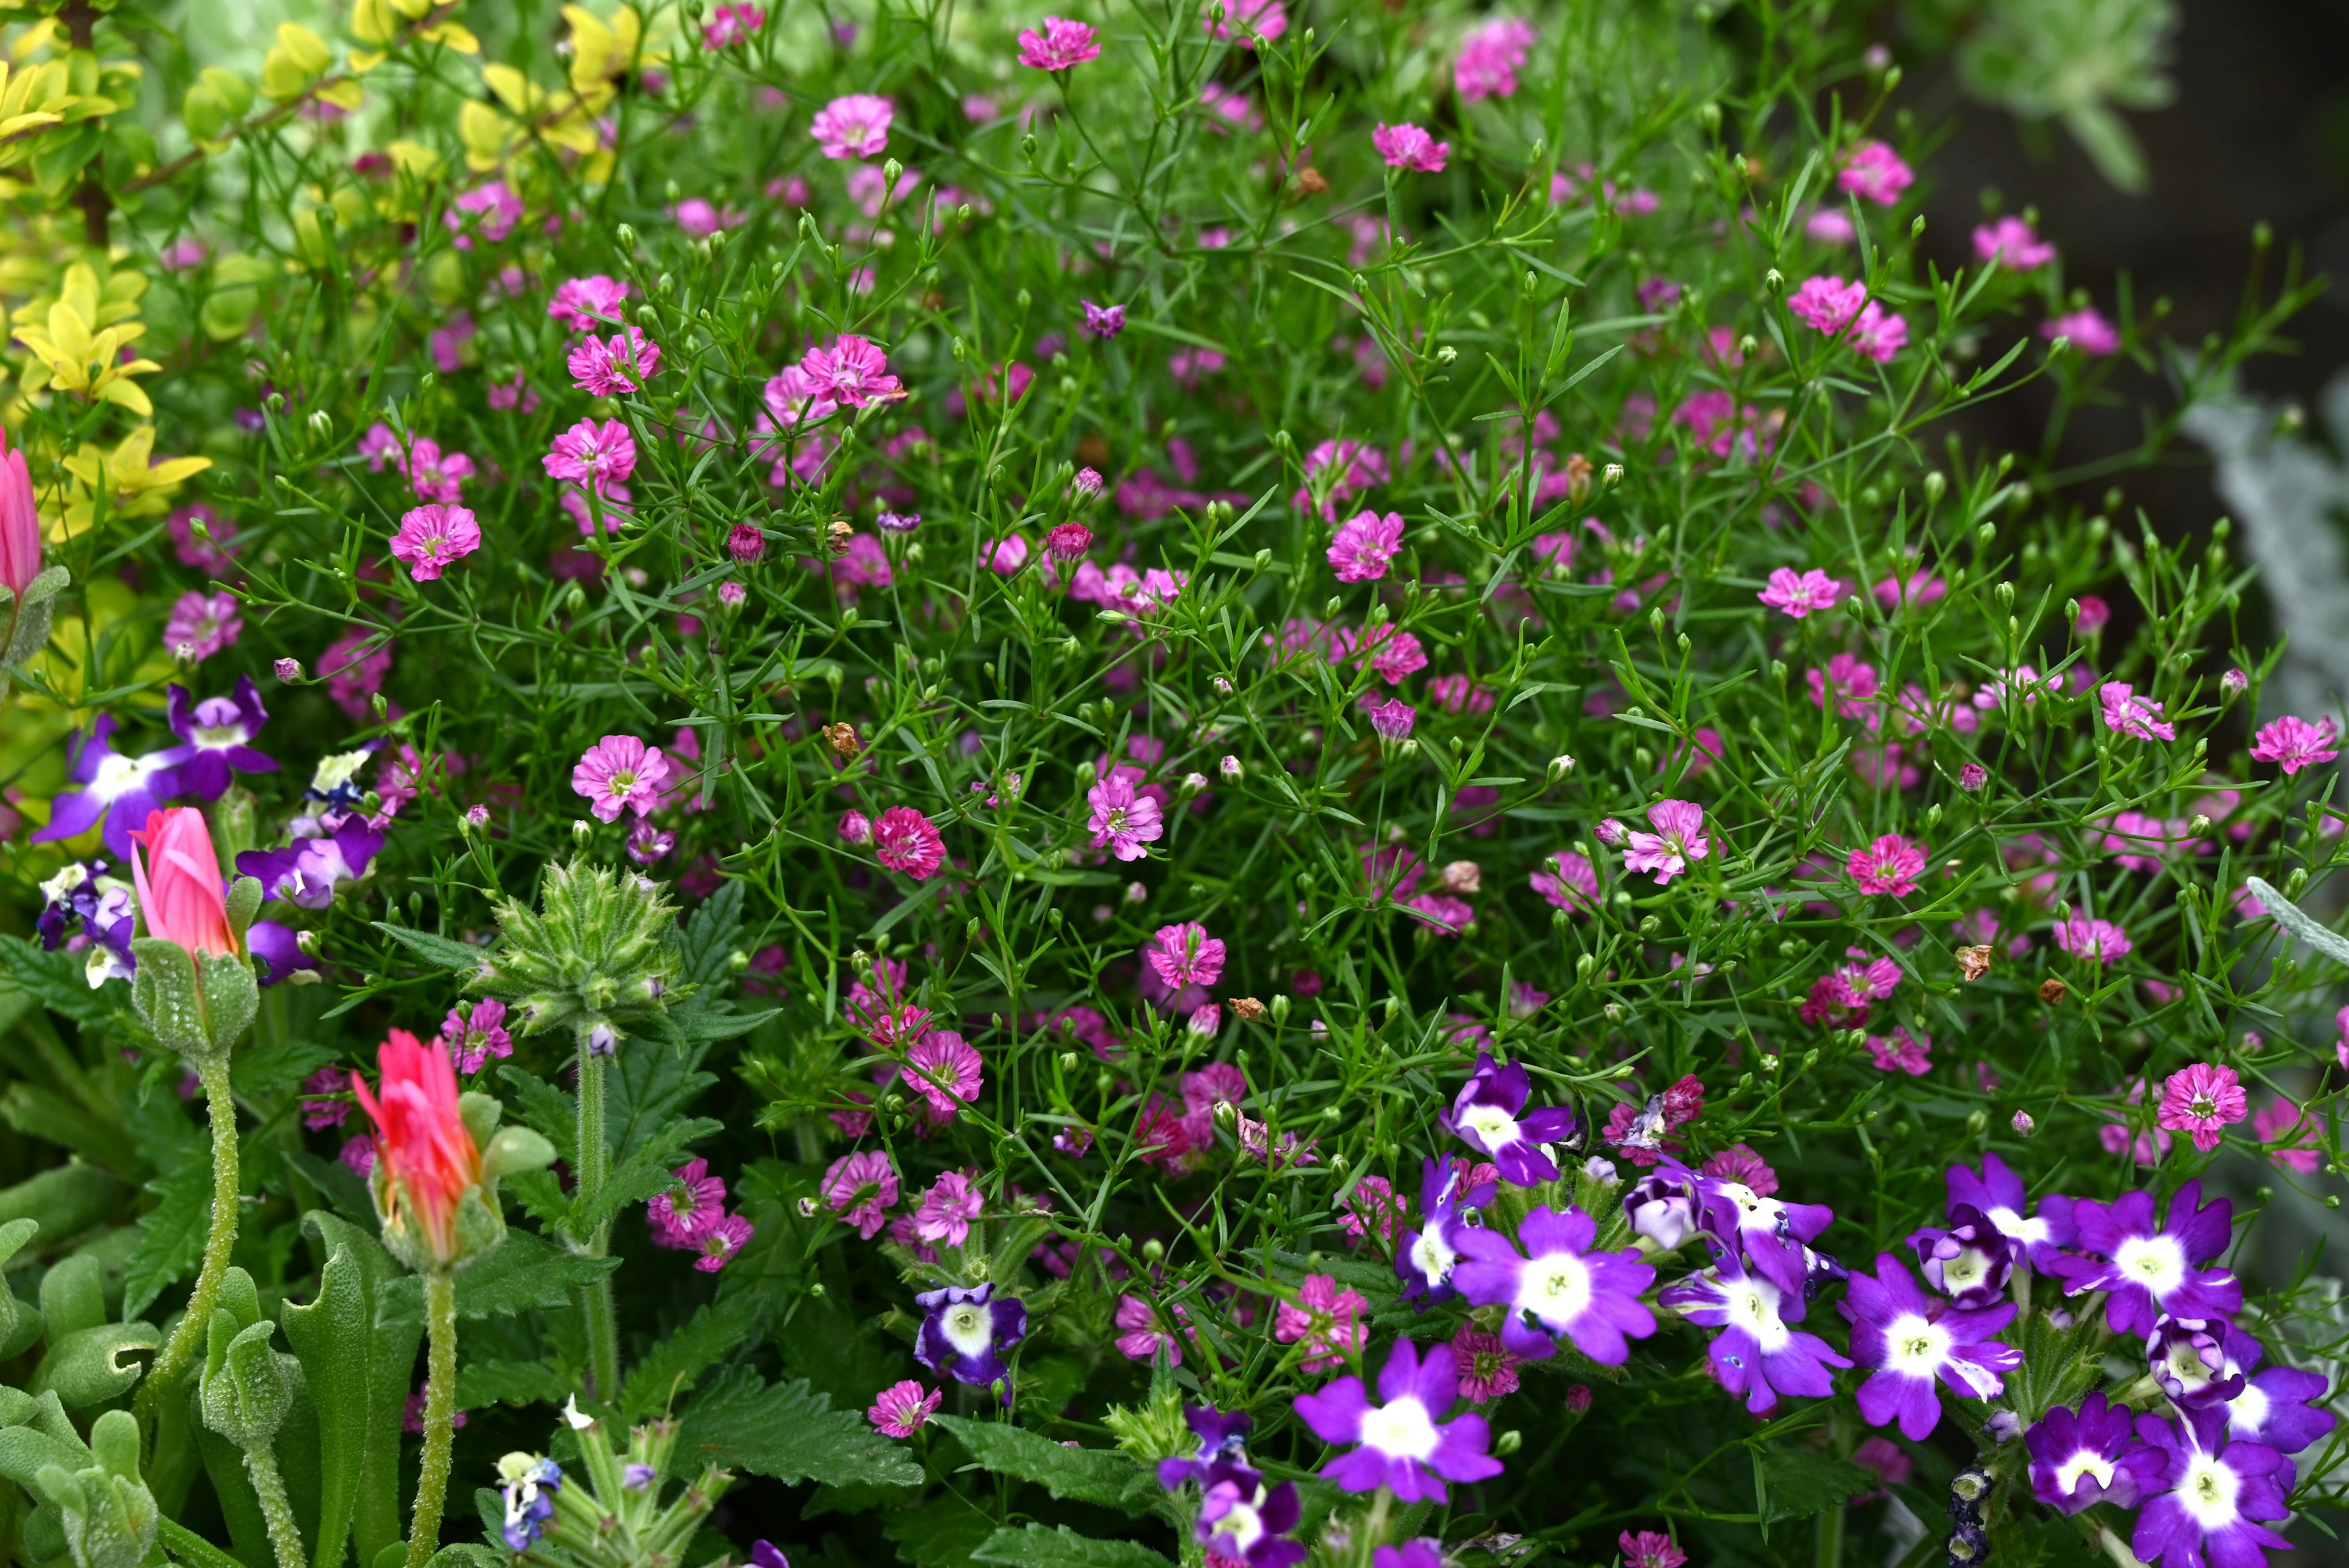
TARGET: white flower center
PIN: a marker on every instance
(2031, 1232)
(1243, 1527)
(1753, 1307)
(2248, 1411)
(1402, 1431)
(969, 1328)
(1914, 1346)
(1432, 1256)
(2206, 1491)
(1556, 1289)
(117, 775)
(2085, 1462)
(2156, 1262)
(1496, 1127)
(1965, 1271)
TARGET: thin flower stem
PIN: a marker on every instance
(218, 1242)
(440, 1416)
(594, 1159)
(276, 1508)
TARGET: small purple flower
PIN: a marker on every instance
(1660, 1205)
(1244, 1522)
(2188, 1356)
(1771, 1237)
(1490, 1115)
(1968, 1262)
(1103, 320)
(277, 952)
(1755, 1355)
(1914, 1342)
(2151, 1270)
(1569, 1291)
(2279, 1406)
(307, 872)
(1223, 1442)
(2219, 1489)
(966, 1332)
(1403, 1443)
(681, 1216)
(1425, 1257)
(1998, 1192)
(81, 894)
(117, 790)
(216, 736)
(2090, 1456)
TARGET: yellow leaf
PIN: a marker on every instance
(345, 94)
(483, 131)
(305, 47)
(413, 157)
(514, 89)
(453, 36)
(372, 22)
(70, 333)
(126, 394)
(18, 123)
(172, 470)
(362, 61)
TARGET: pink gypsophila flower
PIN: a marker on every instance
(1123, 821)
(1185, 955)
(1901, 1052)
(429, 537)
(1489, 59)
(853, 372)
(1326, 1320)
(1247, 20)
(202, 624)
(857, 126)
(1678, 839)
(1062, 44)
(1568, 881)
(2293, 743)
(1878, 334)
(592, 455)
(1141, 1338)
(1406, 146)
(2013, 244)
(732, 24)
(620, 773)
(947, 1209)
(682, 1215)
(905, 840)
(611, 367)
(722, 1242)
(2088, 331)
(1798, 596)
(2203, 1101)
(948, 1071)
(1873, 173)
(583, 303)
(2084, 938)
(1365, 546)
(899, 1410)
(1650, 1549)
(861, 1188)
(2125, 712)
(1488, 1369)
(1891, 865)
(1827, 303)
(2297, 1131)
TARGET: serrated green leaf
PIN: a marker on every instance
(544, 1108)
(942, 1533)
(438, 952)
(670, 1369)
(702, 1028)
(170, 1236)
(787, 1431)
(1079, 1475)
(259, 1070)
(58, 981)
(710, 939)
(650, 1085)
(485, 1383)
(527, 1272)
(345, 1189)
(1800, 1483)
(1037, 1546)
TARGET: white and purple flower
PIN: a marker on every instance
(1914, 1342)
(1755, 1356)
(307, 872)
(1999, 1194)
(1425, 1257)
(2150, 1269)
(1403, 1443)
(1559, 1288)
(966, 1332)
(2279, 1406)
(2219, 1490)
(1770, 1237)
(2082, 1457)
(2188, 1356)
(117, 791)
(216, 738)
(1969, 1262)
(1490, 1115)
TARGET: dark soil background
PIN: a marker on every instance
(2259, 131)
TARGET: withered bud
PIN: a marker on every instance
(1249, 1009)
(836, 536)
(842, 738)
(2053, 991)
(1974, 962)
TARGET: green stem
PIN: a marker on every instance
(592, 1166)
(218, 1242)
(440, 1416)
(285, 1535)
(1831, 1537)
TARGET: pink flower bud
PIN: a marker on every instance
(746, 544)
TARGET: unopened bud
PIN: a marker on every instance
(1560, 766)
(289, 671)
(2023, 1124)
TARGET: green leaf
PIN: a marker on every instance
(58, 981)
(1079, 1475)
(438, 952)
(708, 1337)
(359, 1364)
(544, 1108)
(192, 1549)
(702, 1028)
(1039, 1547)
(647, 1172)
(1800, 1483)
(649, 1086)
(485, 1383)
(338, 1184)
(331, 1337)
(791, 1432)
(710, 939)
(171, 1237)
(942, 1533)
(527, 1272)
(261, 1070)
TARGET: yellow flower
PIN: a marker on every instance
(128, 481)
(78, 339)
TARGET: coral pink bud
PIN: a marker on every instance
(423, 1148)
(178, 881)
(746, 544)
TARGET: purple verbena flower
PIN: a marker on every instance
(1559, 1288)
(1660, 1205)
(2279, 1406)
(1245, 1522)
(966, 1332)
(1969, 1262)
(1913, 1342)
(2082, 1457)
(1403, 1443)
(1223, 1442)
(2151, 1270)
(1998, 1193)
(2188, 1356)
(1489, 1114)
(1425, 1257)
(216, 736)
(117, 791)
(1755, 1355)
(2219, 1490)
(307, 872)
(1769, 1237)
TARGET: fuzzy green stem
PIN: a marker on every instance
(592, 1166)
(276, 1508)
(440, 1416)
(219, 1242)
